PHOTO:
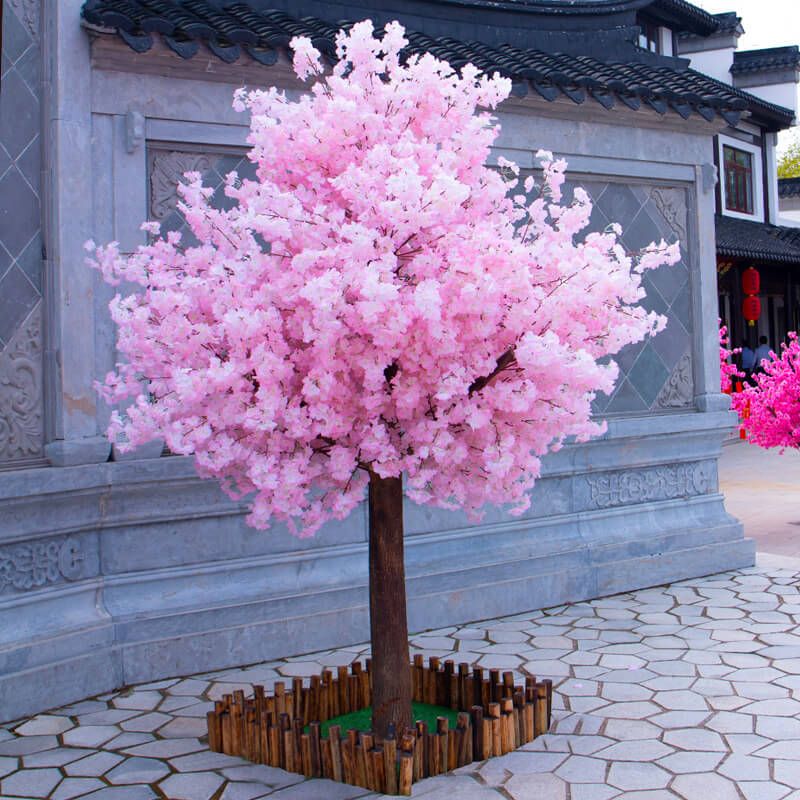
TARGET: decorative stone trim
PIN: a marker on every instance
(35, 564)
(666, 482)
(270, 729)
(21, 392)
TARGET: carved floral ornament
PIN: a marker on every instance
(21, 393)
(666, 482)
(33, 565)
(167, 169)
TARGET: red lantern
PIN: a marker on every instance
(751, 309)
(751, 281)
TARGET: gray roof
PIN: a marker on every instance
(228, 30)
(738, 238)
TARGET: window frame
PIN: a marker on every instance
(739, 189)
(755, 153)
(649, 35)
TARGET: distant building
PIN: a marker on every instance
(750, 210)
(789, 200)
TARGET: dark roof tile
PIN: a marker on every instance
(789, 187)
(224, 29)
(768, 58)
(738, 238)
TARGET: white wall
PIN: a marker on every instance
(782, 94)
(716, 63)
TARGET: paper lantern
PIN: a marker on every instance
(751, 281)
(751, 309)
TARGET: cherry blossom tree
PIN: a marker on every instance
(378, 303)
(770, 408)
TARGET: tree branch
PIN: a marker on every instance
(505, 361)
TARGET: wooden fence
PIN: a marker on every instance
(284, 729)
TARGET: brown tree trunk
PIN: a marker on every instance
(391, 677)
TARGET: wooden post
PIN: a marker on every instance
(391, 678)
(390, 765)
(406, 773)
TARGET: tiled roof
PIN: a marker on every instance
(768, 58)
(230, 29)
(737, 238)
(727, 21)
(789, 187)
(696, 19)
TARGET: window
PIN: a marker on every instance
(738, 165)
(649, 38)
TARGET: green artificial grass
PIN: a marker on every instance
(361, 720)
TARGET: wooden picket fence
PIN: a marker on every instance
(495, 717)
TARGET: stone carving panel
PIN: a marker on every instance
(666, 482)
(28, 13)
(34, 565)
(21, 393)
(678, 391)
(167, 168)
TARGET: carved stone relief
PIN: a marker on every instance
(678, 391)
(625, 487)
(21, 392)
(28, 12)
(32, 565)
(167, 169)
(671, 204)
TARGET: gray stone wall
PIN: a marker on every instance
(21, 424)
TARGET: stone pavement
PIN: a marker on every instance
(762, 489)
(687, 691)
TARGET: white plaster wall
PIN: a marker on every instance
(782, 94)
(716, 63)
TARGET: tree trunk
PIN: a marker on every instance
(391, 677)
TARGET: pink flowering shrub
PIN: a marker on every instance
(727, 369)
(774, 400)
(378, 299)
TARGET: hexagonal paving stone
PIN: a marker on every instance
(691, 761)
(191, 786)
(581, 769)
(30, 782)
(646, 750)
(705, 786)
(90, 735)
(536, 787)
(184, 728)
(44, 724)
(633, 776)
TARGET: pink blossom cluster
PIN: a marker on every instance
(727, 369)
(377, 300)
(773, 402)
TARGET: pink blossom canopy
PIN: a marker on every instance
(771, 408)
(379, 299)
